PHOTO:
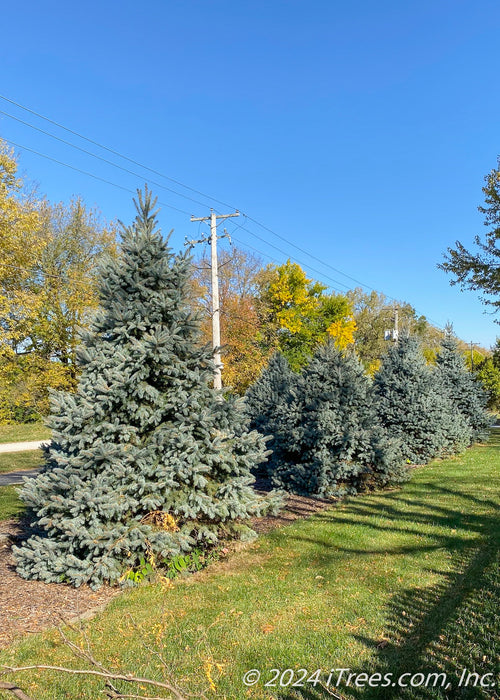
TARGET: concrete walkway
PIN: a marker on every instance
(16, 477)
(22, 446)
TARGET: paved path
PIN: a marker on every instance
(22, 446)
(17, 477)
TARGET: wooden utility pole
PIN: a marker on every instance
(393, 334)
(215, 289)
(472, 343)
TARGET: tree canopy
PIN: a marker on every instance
(479, 270)
(47, 290)
(300, 316)
(146, 460)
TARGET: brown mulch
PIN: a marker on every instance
(296, 507)
(32, 606)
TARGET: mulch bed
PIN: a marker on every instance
(32, 606)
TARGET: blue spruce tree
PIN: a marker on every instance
(414, 407)
(264, 401)
(146, 459)
(463, 389)
(329, 440)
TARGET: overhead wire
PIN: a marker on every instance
(104, 160)
(179, 183)
(265, 255)
(110, 150)
(85, 172)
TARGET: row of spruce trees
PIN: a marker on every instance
(335, 431)
(147, 460)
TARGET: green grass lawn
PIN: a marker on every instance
(23, 432)
(398, 581)
(14, 461)
(10, 505)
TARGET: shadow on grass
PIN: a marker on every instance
(443, 628)
(494, 438)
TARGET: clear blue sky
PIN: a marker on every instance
(360, 132)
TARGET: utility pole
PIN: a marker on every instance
(215, 288)
(394, 333)
(472, 355)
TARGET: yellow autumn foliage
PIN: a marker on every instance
(342, 331)
(47, 291)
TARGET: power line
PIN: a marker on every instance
(256, 250)
(111, 150)
(126, 189)
(280, 250)
(84, 172)
(104, 160)
(302, 250)
(178, 182)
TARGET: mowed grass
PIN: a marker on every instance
(23, 432)
(398, 581)
(17, 461)
(10, 504)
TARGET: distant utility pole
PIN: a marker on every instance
(472, 355)
(394, 333)
(215, 288)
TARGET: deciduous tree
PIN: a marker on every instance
(480, 269)
(298, 316)
(244, 349)
(47, 291)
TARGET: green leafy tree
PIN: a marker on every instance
(147, 459)
(297, 315)
(414, 407)
(47, 291)
(374, 313)
(488, 373)
(328, 439)
(480, 270)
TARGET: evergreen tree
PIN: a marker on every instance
(414, 407)
(146, 459)
(329, 440)
(463, 389)
(264, 401)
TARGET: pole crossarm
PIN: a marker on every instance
(217, 216)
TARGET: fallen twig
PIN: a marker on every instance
(108, 675)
